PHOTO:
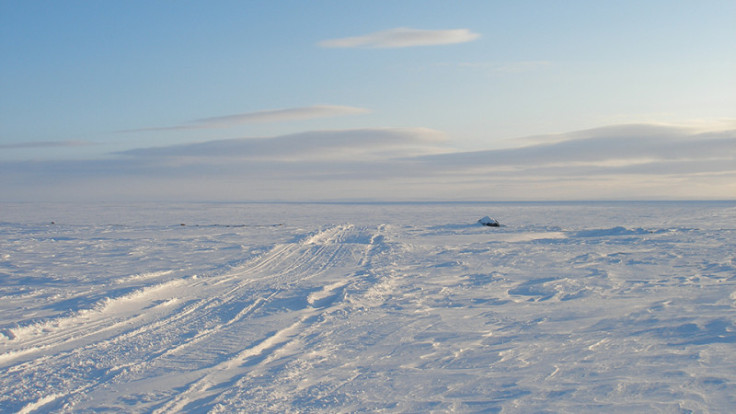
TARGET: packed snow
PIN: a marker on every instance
(567, 307)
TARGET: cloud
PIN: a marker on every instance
(618, 149)
(618, 162)
(45, 144)
(311, 145)
(403, 37)
(274, 115)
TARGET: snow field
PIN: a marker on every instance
(389, 308)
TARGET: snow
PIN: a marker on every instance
(569, 307)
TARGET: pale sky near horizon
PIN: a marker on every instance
(379, 100)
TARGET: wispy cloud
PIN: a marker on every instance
(403, 37)
(311, 145)
(274, 115)
(45, 144)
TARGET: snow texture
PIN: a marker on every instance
(569, 307)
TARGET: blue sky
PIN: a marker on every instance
(337, 100)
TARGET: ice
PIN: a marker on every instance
(568, 307)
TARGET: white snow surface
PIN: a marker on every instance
(570, 307)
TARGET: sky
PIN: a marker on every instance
(367, 100)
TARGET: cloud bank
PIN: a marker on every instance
(403, 37)
(602, 149)
(274, 115)
(619, 162)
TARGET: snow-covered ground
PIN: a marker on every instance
(568, 307)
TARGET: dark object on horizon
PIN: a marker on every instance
(487, 221)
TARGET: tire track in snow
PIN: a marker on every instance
(225, 371)
(253, 286)
(268, 265)
(60, 332)
(319, 305)
(59, 349)
(289, 359)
